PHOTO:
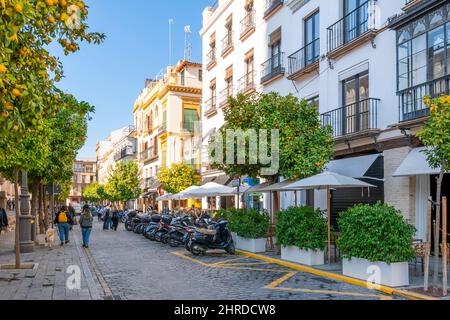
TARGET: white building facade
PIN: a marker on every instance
(341, 55)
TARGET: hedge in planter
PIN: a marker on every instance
(251, 224)
(230, 215)
(302, 227)
(376, 233)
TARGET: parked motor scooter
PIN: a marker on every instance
(218, 237)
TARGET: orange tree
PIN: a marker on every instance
(27, 69)
(435, 134)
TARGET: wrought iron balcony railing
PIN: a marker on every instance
(247, 83)
(248, 23)
(411, 101)
(304, 57)
(272, 68)
(352, 26)
(210, 105)
(225, 95)
(211, 57)
(353, 118)
(148, 155)
(126, 152)
(271, 6)
(227, 42)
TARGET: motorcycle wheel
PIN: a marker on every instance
(165, 239)
(140, 229)
(173, 242)
(231, 249)
(151, 236)
(196, 250)
(128, 226)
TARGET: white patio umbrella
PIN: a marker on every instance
(164, 197)
(211, 189)
(183, 194)
(328, 181)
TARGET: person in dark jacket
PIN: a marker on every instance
(63, 221)
(115, 219)
(106, 218)
(3, 219)
(86, 221)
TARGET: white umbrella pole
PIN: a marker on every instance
(329, 223)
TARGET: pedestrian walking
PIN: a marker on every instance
(63, 221)
(100, 213)
(106, 218)
(86, 220)
(115, 219)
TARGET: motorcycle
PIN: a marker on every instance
(150, 229)
(140, 227)
(217, 237)
(178, 230)
(131, 220)
(161, 235)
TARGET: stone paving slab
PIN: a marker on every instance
(48, 281)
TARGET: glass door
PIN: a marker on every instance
(356, 111)
(312, 35)
(356, 17)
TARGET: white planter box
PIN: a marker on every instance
(251, 245)
(392, 275)
(306, 257)
(234, 236)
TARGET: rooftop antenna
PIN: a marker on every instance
(170, 41)
(187, 43)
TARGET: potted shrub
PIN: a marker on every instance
(375, 242)
(252, 228)
(302, 235)
(230, 215)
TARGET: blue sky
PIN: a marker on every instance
(111, 76)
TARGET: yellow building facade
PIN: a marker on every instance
(167, 121)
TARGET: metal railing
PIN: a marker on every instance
(126, 152)
(211, 57)
(271, 5)
(225, 95)
(411, 102)
(304, 57)
(247, 82)
(353, 118)
(148, 154)
(272, 67)
(352, 26)
(227, 42)
(210, 105)
(248, 22)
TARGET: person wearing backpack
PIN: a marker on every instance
(86, 221)
(63, 221)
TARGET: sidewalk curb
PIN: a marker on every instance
(338, 277)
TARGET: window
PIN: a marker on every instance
(191, 119)
(312, 35)
(355, 18)
(183, 77)
(423, 51)
(200, 75)
(250, 68)
(314, 101)
(356, 108)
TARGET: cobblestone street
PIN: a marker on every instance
(124, 266)
(136, 268)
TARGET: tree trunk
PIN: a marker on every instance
(438, 228)
(17, 209)
(41, 209)
(46, 212)
(34, 205)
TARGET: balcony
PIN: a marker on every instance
(150, 183)
(148, 155)
(211, 107)
(227, 44)
(272, 7)
(211, 59)
(353, 30)
(124, 153)
(225, 96)
(353, 120)
(411, 102)
(272, 69)
(248, 25)
(305, 60)
(247, 83)
(191, 127)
